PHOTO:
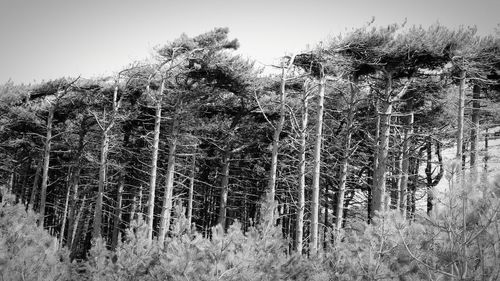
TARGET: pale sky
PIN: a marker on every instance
(47, 39)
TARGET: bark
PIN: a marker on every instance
(486, 156)
(317, 166)
(474, 132)
(75, 180)
(23, 188)
(96, 228)
(46, 164)
(154, 162)
(405, 165)
(191, 191)
(428, 175)
(10, 185)
(169, 185)
(65, 212)
(325, 212)
(118, 210)
(377, 147)
(413, 187)
(433, 182)
(398, 167)
(136, 207)
(379, 177)
(461, 106)
(344, 165)
(302, 175)
(271, 186)
(73, 224)
(86, 224)
(369, 187)
(379, 199)
(34, 189)
(224, 188)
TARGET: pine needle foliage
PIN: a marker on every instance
(27, 252)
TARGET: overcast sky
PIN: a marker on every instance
(46, 39)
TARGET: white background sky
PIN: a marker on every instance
(46, 39)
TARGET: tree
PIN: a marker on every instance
(304, 114)
(58, 89)
(285, 68)
(396, 58)
(105, 124)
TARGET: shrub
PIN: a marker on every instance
(27, 252)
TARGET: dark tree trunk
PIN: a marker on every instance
(224, 188)
(428, 174)
(118, 210)
(474, 132)
(34, 189)
(191, 190)
(97, 225)
(461, 106)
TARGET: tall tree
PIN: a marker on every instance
(105, 124)
(154, 159)
(286, 65)
(304, 107)
(317, 162)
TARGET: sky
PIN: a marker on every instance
(48, 39)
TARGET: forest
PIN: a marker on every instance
(195, 164)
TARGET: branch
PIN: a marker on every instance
(420, 261)
(402, 92)
(262, 110)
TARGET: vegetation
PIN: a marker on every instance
(195, 165)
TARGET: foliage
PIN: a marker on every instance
(220, 111)
(27, 252)
(258, 254)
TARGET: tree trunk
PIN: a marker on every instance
(398, 167)
(486, 156)
(46, 164)
(75, 179)
(413, 187)
(154, 162)
(136, 207)
(34, 189)
(405, 165)
(65, 212)
(271, 186)
(118, 210)
(96, 230)
(474, 132)
(71, 219)
(344, 165)
(169, 185)
(317, 166)
(191, 191)
(10, 185)
(461, 106)
(379, 177)
(75, 239)
(302, 175)
(428, 175)
(224, 188)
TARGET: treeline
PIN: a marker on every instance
(336, 136)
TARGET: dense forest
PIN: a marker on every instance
(195, 164)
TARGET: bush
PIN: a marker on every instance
(459, 241)
(186, 255)
(27, 252)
